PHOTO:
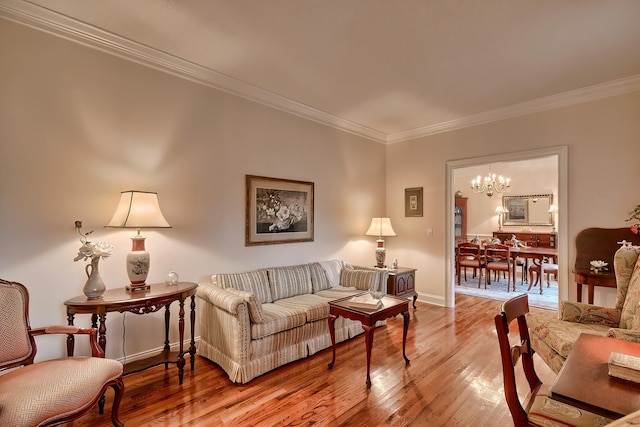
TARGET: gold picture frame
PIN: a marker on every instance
(413, 201)
(278, 211)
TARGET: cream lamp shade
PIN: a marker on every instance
(380, 227)
(138, 209)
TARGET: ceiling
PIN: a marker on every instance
(387, 70)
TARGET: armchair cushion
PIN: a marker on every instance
(624, 261)
(23, 390)
(630, 310)
(586, 313)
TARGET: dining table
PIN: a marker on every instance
(584, 380)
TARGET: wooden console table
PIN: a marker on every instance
(584, 276)
(120, 300)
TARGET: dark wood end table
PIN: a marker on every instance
(120, 300)
(392, 306)
(584, 380)
(402, 283)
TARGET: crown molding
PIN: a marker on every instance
(59, 25)
(564, 99)
(51, 22)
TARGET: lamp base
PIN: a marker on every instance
(138, 262)
(137, 288)
(381, 254)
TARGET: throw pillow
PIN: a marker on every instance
(360, 279)
(319, 279)
(255, 307)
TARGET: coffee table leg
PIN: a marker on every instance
(405, 328)
(332, 331)
(368, 336)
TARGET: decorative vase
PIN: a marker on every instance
(94, 286)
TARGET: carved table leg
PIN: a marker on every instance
(192, 346)
(181, 361)
(70, 338)
(368, 336)
(332, 332)
(405, 328)
(102, 341)
(167, 319)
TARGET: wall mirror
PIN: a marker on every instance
(528, 210)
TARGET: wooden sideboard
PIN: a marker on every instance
(534, 239)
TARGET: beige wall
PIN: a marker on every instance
(603, 140)
(78, 126)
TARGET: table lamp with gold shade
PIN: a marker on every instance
(138, 209)
(380, 227)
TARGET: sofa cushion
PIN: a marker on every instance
(630, 310)
(360, 279)
(255, 307)
(623, 262)
(319, 278)
(587, 313)
(314, 306)
(277, 318)
(289, 281)
(333, 269)
(255, 282)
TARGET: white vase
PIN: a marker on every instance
(94, 286)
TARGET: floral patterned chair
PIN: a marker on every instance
(552, 337)
(51, 392)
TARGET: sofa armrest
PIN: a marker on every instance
(589, 314)
(219, 297)
(624, 334)
(224, 322)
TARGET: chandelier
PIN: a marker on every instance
(490, 185)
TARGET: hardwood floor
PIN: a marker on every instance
(454, 379)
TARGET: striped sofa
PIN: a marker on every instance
(256, 321)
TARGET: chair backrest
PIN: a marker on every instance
(498, 253)
(468, 250)
(512, 310)
(17, 346)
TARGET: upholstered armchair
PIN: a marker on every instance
(553, 337)
(51, 392)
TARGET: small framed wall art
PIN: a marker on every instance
(278, 211)
(413, 201)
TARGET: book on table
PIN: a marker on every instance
(365, 302)
(624, 366)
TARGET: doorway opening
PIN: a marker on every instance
(482, 219)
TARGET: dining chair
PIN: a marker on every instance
(540, 267)
(50, 392)
(519, 262)
(539, 408)
(498, 258)
(469, 255)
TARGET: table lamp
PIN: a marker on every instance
(138, 209)
(501, 210)
(553, 210)
(380, 227)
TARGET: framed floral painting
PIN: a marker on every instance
(413, 201)
(278, 211)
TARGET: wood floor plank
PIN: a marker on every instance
(454, 379)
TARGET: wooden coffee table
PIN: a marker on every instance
(392, 306)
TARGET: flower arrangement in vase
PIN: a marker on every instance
(634, 215)
(94, 287)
